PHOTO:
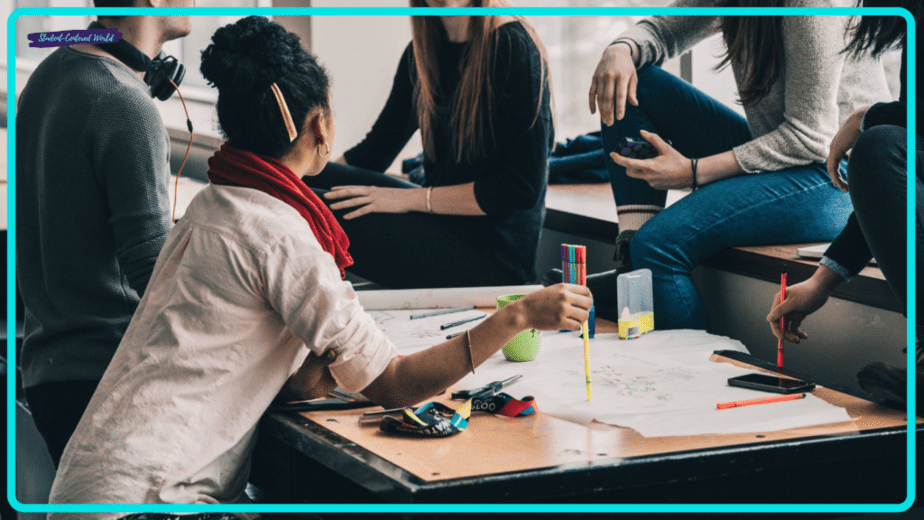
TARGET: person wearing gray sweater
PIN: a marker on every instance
(92, 165)
(759, 179)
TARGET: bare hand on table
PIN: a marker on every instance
(668, 171)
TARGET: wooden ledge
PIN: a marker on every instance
(587, 211)
(584, 210)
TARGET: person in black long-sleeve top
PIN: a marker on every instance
(878, 179)
(487, 134)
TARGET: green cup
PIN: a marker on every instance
(525, 345)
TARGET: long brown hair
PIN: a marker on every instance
(878, 34)
(473, 99)
(757, 41)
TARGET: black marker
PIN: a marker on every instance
(460, 322)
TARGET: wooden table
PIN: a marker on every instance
(327, 457)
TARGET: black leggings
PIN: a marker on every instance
(407, 250)
(878, 180)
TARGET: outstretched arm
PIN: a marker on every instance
(444, 200)
(411, 379)
(301, 282)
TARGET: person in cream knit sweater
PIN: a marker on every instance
(758, 179)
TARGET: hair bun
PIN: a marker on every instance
(248, 55)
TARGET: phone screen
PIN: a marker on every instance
(779, 382)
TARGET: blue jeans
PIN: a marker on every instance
(793, 205)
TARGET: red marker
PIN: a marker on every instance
(779, 348)
(762, 400)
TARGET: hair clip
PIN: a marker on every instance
(286, 116)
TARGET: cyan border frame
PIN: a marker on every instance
(467, 11)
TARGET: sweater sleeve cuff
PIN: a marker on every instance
(643, 39)
(836, 267)
(748, 158)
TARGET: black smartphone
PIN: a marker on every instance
(636, 148)
(780, 385)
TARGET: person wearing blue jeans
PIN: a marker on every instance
(794, 205)
(758, 179)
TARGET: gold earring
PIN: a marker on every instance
(319, 150)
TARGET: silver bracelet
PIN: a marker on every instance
(429, 207)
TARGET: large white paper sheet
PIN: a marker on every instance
(661, 384)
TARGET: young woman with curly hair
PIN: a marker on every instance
(247, 300)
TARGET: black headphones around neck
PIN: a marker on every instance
(157, 72)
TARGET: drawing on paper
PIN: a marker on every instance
(623, 382)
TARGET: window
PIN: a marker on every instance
(574, 45)
(188, 50)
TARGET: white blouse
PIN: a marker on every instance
(240, 293)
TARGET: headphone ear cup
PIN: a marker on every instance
(158, 72)
(161, 73)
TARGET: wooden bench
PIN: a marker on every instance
(587, 211)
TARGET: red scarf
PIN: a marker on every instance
(234, 167)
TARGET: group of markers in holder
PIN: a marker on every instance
(574, 268)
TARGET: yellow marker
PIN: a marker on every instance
(587, 361)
